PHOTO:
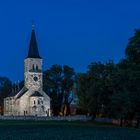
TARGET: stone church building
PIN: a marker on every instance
(31, 100)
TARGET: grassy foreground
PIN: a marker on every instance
(53, 130)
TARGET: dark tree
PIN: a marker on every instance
(90, 88)
(133, 59)
(57, 81)
(5, 89)
(52, 86)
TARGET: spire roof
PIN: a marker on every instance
(33, 49)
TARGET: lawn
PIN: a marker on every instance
(52, 130)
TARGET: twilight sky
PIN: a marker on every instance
(72, 32)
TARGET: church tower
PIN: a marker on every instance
(33, 65)
(31, 99)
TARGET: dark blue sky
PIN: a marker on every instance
(72, 32)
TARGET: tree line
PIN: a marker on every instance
(113, 90)
(105, 90)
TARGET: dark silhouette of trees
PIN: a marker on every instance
(113, 90)
(58, 82)
(5, 89)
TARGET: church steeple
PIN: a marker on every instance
(33, 49)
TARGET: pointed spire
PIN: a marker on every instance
(33, 49)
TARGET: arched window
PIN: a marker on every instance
(36, 67)
(34, 102)
(33, 67)
(38, 102)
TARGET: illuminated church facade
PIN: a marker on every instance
(31, 100)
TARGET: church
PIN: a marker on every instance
(31, 100)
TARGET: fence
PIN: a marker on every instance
(52, 118)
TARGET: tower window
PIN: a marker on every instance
(38, 102)
(36, 67)
(34, 102)
(33, 67)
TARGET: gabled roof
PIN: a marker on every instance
(22, 91)
(36, 93)
(33, 49)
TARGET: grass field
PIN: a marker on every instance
(52, 130)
